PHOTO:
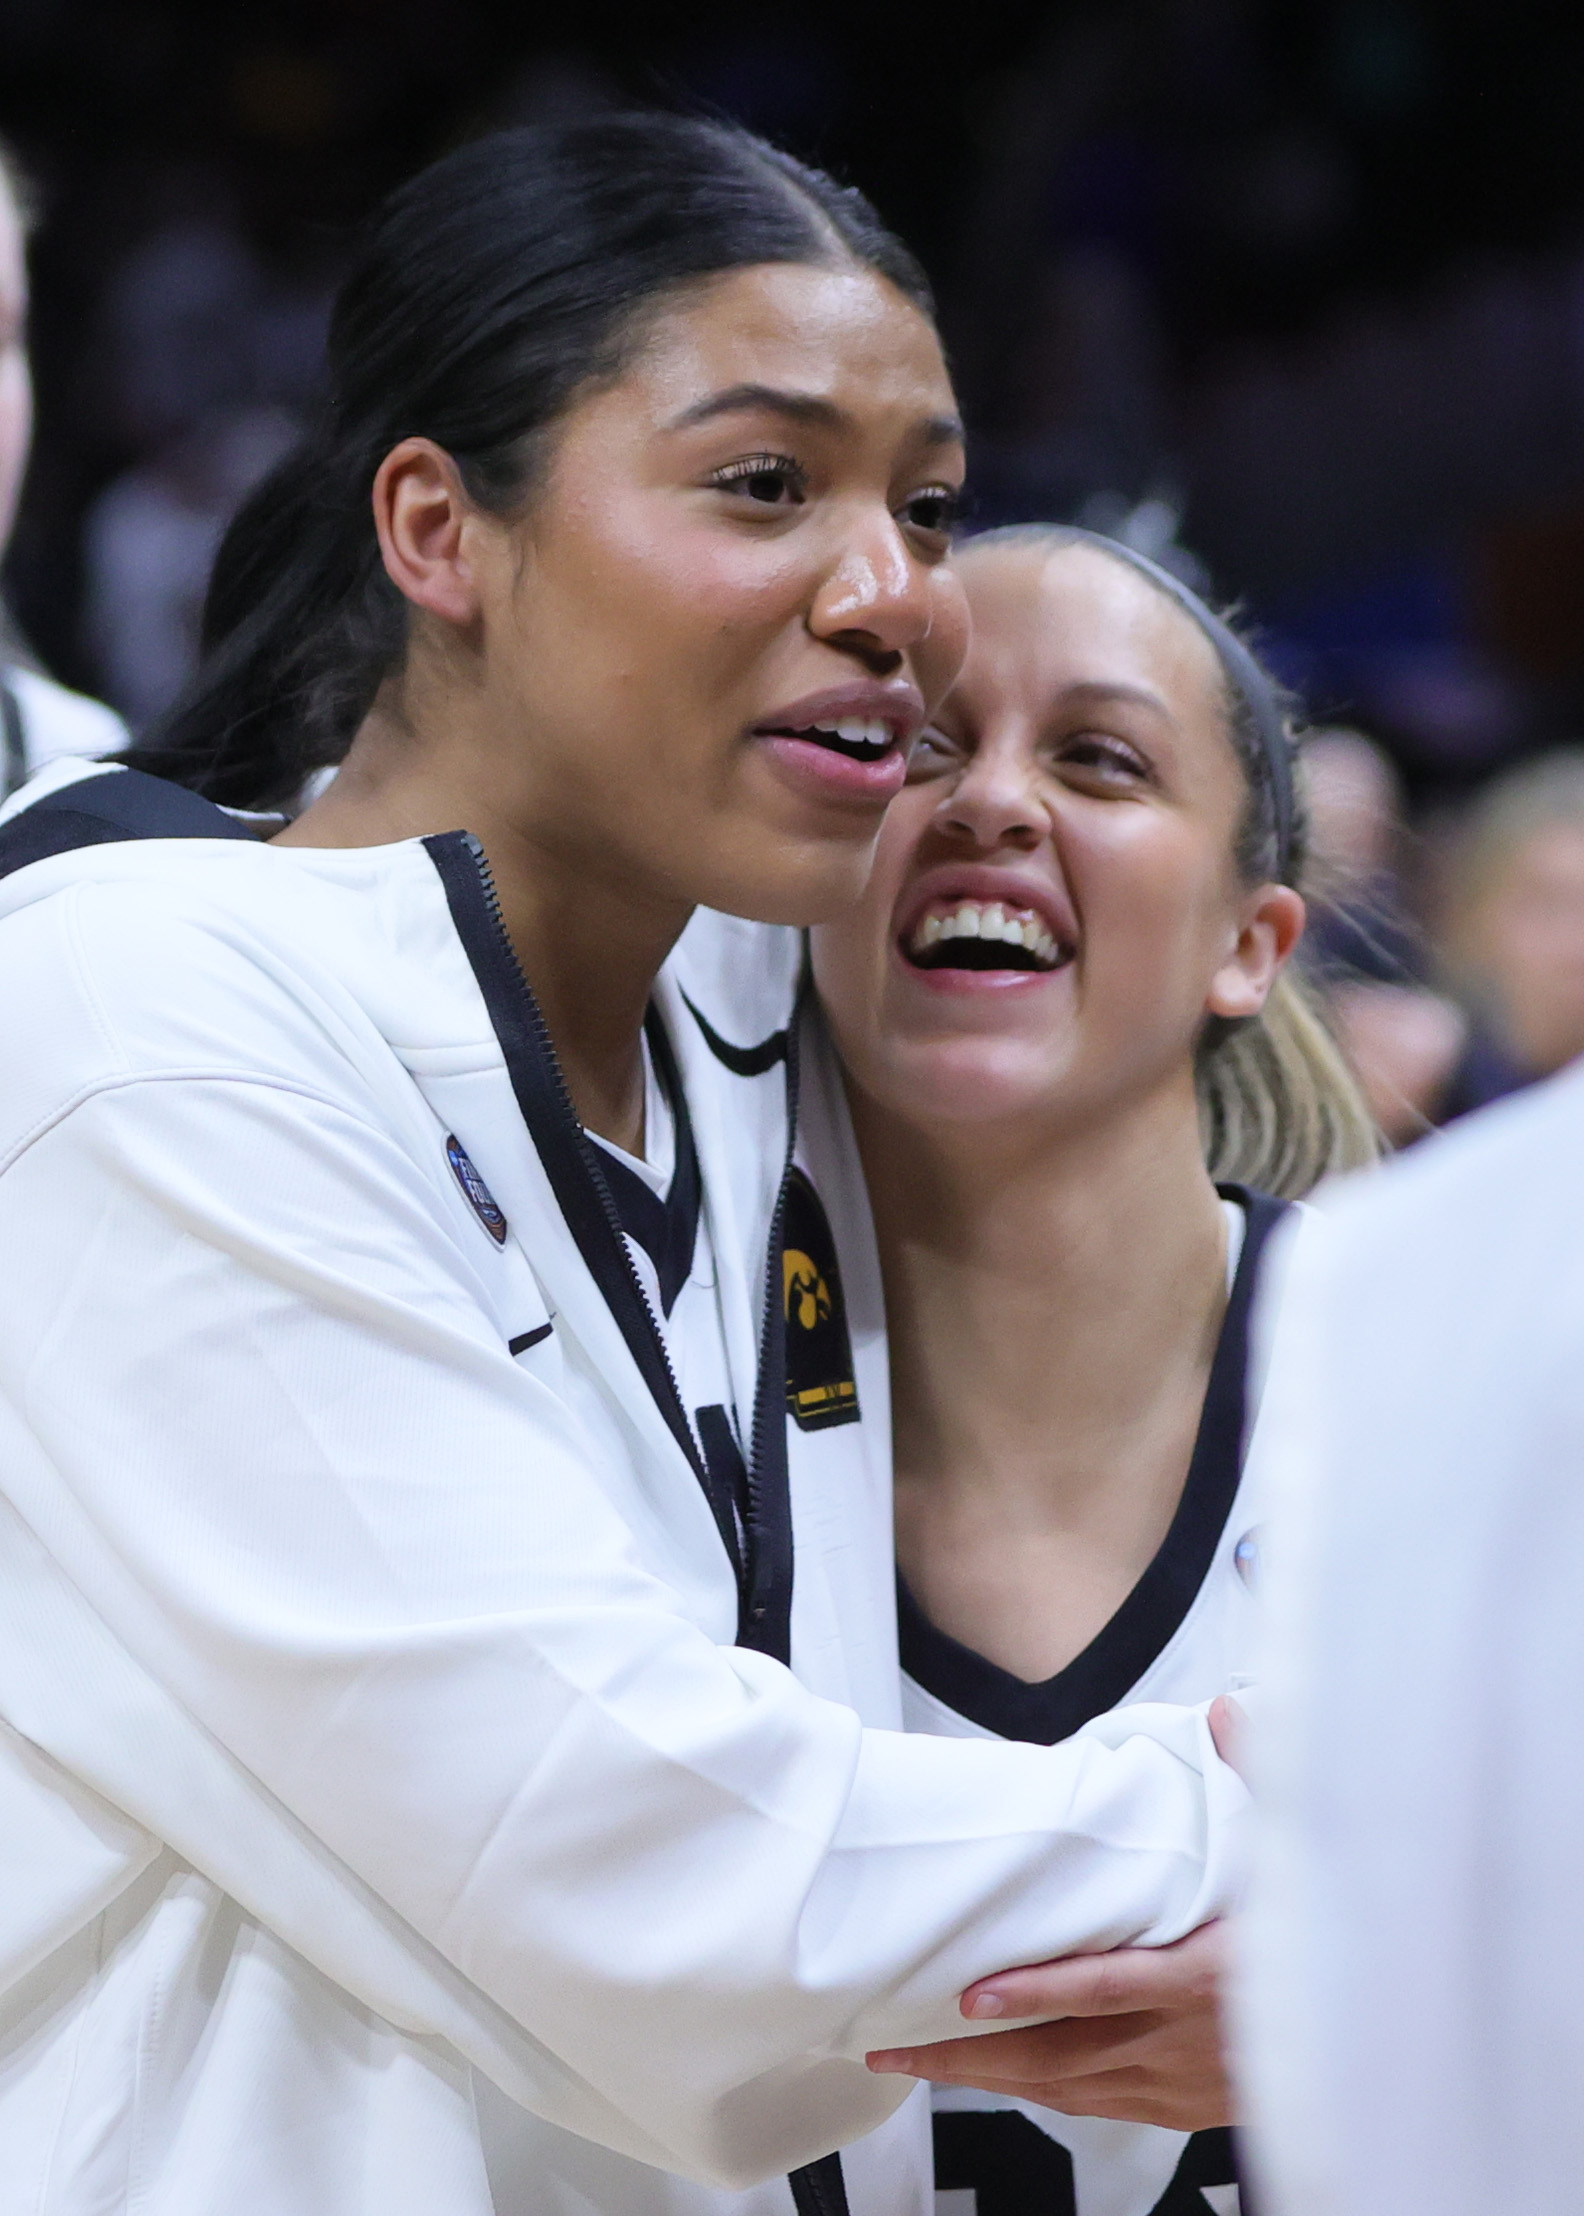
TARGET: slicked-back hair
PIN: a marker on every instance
(489, 292)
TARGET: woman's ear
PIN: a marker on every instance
(1269, 928)
(422, 514)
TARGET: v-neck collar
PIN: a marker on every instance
(667, 1229)
(1101, 1676)
(758, 1542)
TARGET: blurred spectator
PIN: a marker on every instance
(1514, 934)
(151, 537)
(1358, 927)
(39, 719)
(208, 358)
(1402, 1038)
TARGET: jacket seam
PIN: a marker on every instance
(199, 1076)
(85, 980)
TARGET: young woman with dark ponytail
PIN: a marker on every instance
(1087, 1088)
(424, 1789)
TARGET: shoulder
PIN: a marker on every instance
(57, 721)
(169, 957)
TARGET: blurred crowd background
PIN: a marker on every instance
(1290, 295)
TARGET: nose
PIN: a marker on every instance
(996, 800)
(875, 601)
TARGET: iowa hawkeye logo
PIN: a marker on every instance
(821, 1389)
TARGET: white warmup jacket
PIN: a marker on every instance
(1413, 2013)
(389, 1824)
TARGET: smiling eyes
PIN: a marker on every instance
(777, 481)
(1090, 761)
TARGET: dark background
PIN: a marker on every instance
(1296, 291)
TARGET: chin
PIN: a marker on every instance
(971, 1081)
(800, 884)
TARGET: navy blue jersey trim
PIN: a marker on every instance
(667, 1230)
(1102, 1676)
(99, 811)
(571, 1161)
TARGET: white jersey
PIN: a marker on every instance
(404, 1811)
(1182, 1634)
(1413, 2033)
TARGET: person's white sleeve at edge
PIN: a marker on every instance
(1410, 2035)
(59, 724)
(306, 1577)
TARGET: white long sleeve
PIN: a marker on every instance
(364, 1628)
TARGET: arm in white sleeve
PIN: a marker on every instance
(276, 1447)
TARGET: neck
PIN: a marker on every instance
(1053, 1298)
(1040, 1280)
(589, 941)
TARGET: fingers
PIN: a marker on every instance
(1229, 1729)
(1043, 2051)
(1099, 2053)
(1137, 2094)
(1116, 1984)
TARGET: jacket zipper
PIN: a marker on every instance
(818, 2189)
(770, 1396)
(541, 1031)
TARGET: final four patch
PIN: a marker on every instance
(821, 1388)
(480, 1199)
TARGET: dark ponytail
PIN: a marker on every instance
(489, 291)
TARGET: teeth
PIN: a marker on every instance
(853, 733)
(972, 919)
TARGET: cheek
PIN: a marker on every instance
(941, 654)
(1154, 901)
(641, 593)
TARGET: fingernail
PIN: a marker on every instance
(986, 2004)
(894, 2059)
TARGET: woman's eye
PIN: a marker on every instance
(773, 480)
(932, 752)
(1103, 758)
(935, 509)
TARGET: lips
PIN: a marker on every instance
(848, 744)
(860, 739)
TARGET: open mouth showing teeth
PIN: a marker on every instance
(860, 741)
(984, 935)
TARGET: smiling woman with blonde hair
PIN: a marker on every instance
(1086, 1086)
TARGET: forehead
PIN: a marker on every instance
(842, 334)
(1049, 619)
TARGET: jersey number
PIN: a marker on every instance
(995, 2162)
(1008, 2164)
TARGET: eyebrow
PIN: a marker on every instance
(1107, 688)
(801, 407)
